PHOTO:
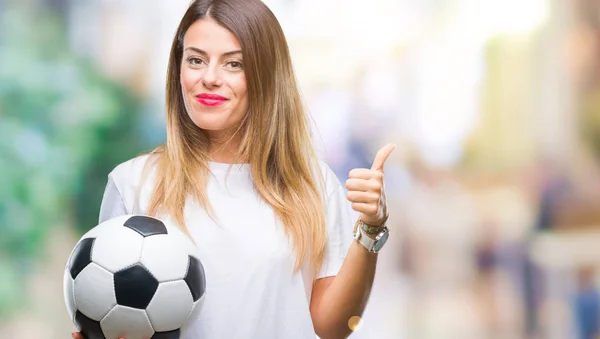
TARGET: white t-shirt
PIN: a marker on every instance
(251, 290)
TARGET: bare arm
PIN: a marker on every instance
(335, 300)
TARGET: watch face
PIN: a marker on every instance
(379, 243)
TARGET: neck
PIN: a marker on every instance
(225, 151)
(223, 157)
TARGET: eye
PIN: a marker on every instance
(194, 61)
(236, 65)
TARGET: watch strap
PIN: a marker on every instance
(364, 239)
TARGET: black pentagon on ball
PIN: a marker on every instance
(195, 278)
(167, 335)
(89, 328)
(81, 257)
(135, 287)
(146, 226)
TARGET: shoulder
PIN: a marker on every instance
(129, 175)
(330, 181)
(130, 179)
(130, 170)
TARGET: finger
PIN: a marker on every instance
(366, 197)
(365, 208)
(365, 173)
(382, 156)
(363, 185)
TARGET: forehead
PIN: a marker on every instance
(211, 37)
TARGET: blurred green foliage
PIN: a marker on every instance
(63, 127)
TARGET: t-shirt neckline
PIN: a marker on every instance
(222, 167)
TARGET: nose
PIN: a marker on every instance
(211, 78)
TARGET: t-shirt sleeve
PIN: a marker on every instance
(113, 204)
(339, 218)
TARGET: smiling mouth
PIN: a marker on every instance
(210, 99)
(211, 102)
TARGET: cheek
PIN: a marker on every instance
(187, 79)
(240, 88)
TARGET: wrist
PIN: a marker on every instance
(378, 222)
(372, 242)
(368, 230)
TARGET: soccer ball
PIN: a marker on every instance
(133, 276)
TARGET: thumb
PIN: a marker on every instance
(382, 156)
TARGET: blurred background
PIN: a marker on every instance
(494, 187)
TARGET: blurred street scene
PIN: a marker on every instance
(494, 188)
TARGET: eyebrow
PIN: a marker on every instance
(199, 51)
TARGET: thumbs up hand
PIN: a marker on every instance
(366, 190)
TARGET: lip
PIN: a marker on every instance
(208, 96)
(210, 99)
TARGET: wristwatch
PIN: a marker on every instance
(373, 245)
(369, 229)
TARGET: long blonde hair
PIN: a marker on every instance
(275, 135)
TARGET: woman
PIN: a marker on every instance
(238, 172)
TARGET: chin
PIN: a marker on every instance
(212, 122)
